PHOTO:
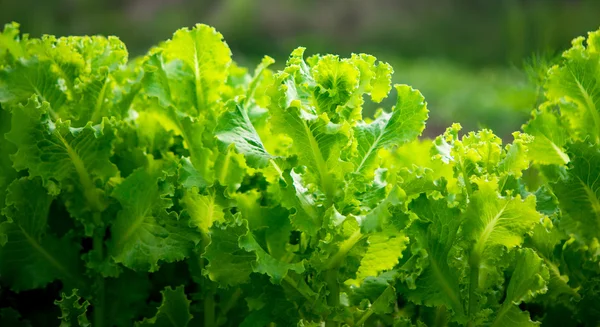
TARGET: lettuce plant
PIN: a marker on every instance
(180, 189)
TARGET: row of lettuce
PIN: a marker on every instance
(181, 189)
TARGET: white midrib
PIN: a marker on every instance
(100, 100)
(187, 141)
(590, 104)
(90, 192)
(53, 114)
(368, 153)
(139, 220)
(171, 319)
(319, 161)
(36, 246)
(561, 154)
(554, 270)
(487, 231)
(225, 168)
(198, 80)
(503, 310)
(445, 285)
(594, 202)
(203, 219)
(374, 145)
(210, 211)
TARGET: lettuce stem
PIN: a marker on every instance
(233, 299)
(295, 286)
(98, 246)
(466, 180)
(333, 298)
(345, 247)
(473, 283)
(333, 286)
(441, 316)
(209, 309)
(207, 288)
(331, 274)
(365, 316)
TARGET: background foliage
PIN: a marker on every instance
(465, 56)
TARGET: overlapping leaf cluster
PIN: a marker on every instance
(181, 189)
(567, 130)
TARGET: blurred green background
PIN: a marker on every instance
(476, 61)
